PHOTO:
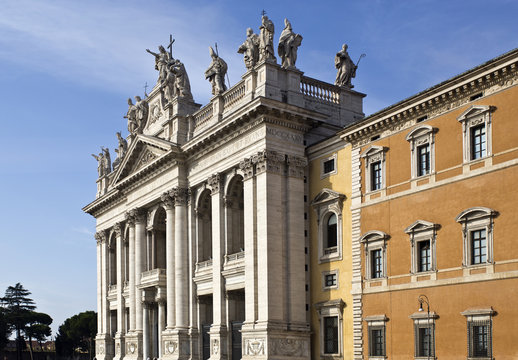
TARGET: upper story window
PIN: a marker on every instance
(476, 129)
(328, 166)
(375, 247)
(328, 207)
(477, 232)
(422, 246)
(422, 150)
(374, 158)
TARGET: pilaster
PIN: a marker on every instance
(119, 338)
(130, 221)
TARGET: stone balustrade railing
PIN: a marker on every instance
(236, 93)
(204, 265)
(320, 90)
(152, 274)
(234, 257)
(203, 115)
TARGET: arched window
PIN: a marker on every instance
(204, 226)
(234, 204)
(331, 232)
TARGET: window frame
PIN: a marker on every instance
(475, 219)
(323, 173)
(423, 320)
(326, 309)
(422, 135)
(475, 116)
(371, 156)
(421, 231)
(373, 241)
(326, 203)
(479, 317)
(324, 276)
(376, 323)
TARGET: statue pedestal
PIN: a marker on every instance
(134, 346)
(176, 124)
(176, 345)
(218, 343)
(103, 347)
(119, 347)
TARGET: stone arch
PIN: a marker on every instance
(157, 240)
(112, 259)
(234, 208)
(204, 225)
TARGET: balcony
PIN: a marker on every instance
(234, 271)
(154, 277)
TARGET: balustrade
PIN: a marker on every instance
(320, 90)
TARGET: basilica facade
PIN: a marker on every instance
(202, 219)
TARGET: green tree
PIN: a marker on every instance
(77, 334)
(38, 327)
(5, 330)
(17, 306)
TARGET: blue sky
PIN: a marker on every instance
(67, 68)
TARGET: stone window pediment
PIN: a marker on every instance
(375, 248)
(476, 129)
(374, 157)
(423, 236)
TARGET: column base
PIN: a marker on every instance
(176, 344)
(119, 347)
(274, 344)
(103, 347)
(134, 345)
(218, 342)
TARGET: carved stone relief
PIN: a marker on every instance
(289, 347)
(254, 347)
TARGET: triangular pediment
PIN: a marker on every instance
(143, 151)
(473, 111)
(421, 225)
(327, 195)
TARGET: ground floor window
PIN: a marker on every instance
(480, 338)
(331, 335)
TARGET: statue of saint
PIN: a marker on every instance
(107, 163)
(121, 150)
(250, 49)
(182, 84)
(266, 40)
(162, 60)
(288, 45)
(216, 73)
(100, 163)
(142, 109)
(346, 68)
(131, 115)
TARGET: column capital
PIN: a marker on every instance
(137, 215)
(214, 183)
(100, 236)
(180, 196)
(270, 161)
(247, 166)
(117, 228)
(167, 201)
(296, 166)
(130, 218)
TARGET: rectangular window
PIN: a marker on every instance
(330, 280)
(377, 264)
(329, 166)
(478, 142)
(424, 258)
(478, 247)
(377, 342)
(331, 335)
(425, 341)
(423, 163)
(479, 339)
(376, 176)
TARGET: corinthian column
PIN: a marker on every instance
(140, 239)
(99, 236)
(168, 203)
(181, 259)
(130, 219)
(119, 339)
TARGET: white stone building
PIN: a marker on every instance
(201, 244)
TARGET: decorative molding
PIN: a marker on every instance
(100, 236)
(167, 201)
(296, 166)
(247, 166)
(289, 347)
(269, 161)
(214, 182)
(117, 229)
(180, 196)
(254, 347)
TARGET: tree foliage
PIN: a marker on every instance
(5, 331)
(77, 333)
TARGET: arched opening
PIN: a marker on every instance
(126, 257)
(235, 216)
(157, 236)
(331, 230)
(204, 226)
(112, 260)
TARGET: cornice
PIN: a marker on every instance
(488, 78)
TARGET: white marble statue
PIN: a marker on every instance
(182, 85)
(142, 110)
(131, 115)
(346, 68)
(162, 60)
(288, 45)
(103, 162)
(266, 40)
(120, 150)
(250, 49)
(216, 73)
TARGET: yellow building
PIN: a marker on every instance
(433, 195)
(330, 249)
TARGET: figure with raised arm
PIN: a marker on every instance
(162, 60)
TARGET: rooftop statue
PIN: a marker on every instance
(182, 85)
(266, 40)
(250, 49)
(103, 162)
(162, 60)
(131, 115)
(288, 45)
(346, 68)
(216, 73)
(142, 110)
(121, 150)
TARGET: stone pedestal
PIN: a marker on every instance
(119, 347)
(176, 345)
(103, 347)
(274, 344)
(218, 343)
(134, 346)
